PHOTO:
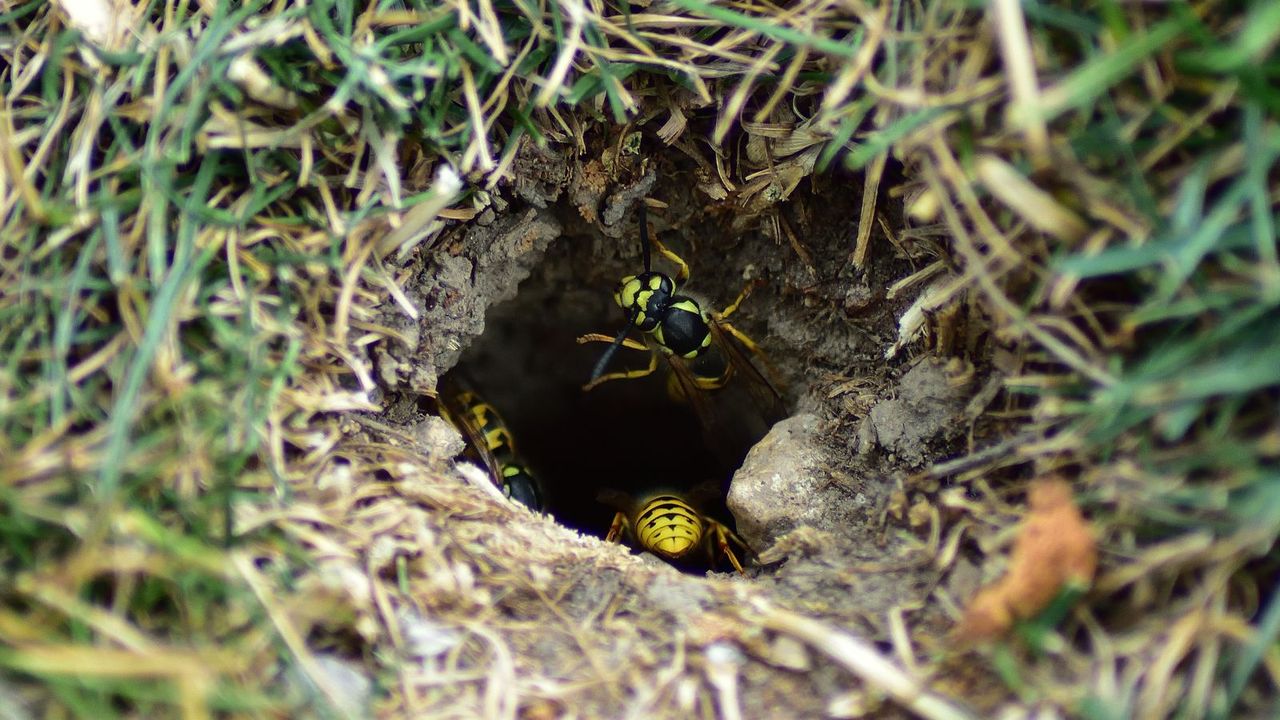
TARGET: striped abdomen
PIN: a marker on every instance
(668, 526)
(489, 424)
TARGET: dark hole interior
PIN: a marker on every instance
(625, 435)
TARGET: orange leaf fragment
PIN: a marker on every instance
(1055, 546)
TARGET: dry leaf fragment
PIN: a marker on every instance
(109, 24)
(1054, 547)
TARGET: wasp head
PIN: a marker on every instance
(645, 298)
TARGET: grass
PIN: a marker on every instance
(203, 216)
(1176, 433)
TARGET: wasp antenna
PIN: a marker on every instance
(643, 212)
(603, 362)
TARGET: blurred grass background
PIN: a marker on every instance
(195, 207)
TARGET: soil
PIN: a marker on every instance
(818, 499)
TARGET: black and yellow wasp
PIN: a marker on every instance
(702, 348)
(671, 526)
(491, 441)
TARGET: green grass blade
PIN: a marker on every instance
(763, 26)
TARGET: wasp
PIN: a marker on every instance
(671, 526)
(704, 350)
(488, 437)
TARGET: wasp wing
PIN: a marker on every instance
(763, 392)
(456, 410)
(698, 397)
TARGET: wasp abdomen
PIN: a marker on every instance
(490, 425)
(492, 441)
(668, 526)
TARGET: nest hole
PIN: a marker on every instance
(821, 321)
(628, 436)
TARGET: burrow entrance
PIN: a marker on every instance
(823, 323)
(627, 436)
(847, 527)
(826, 499)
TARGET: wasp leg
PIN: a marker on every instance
(733, 307)
(626, 374)
(745, 339)
(721, 319)
(598, 337)
(722, 535)
(682, 274)
(619, 526)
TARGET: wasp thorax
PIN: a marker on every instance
(645, 298)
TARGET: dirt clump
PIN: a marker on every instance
(928, 401)
(787, 482)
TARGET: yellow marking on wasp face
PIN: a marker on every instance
(627, 289)
(668, 526)
(655, 282)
